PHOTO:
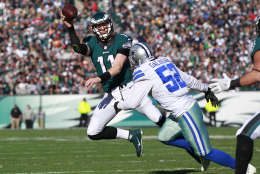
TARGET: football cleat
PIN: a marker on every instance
(136, 139)
(204, 164)
(250, 169)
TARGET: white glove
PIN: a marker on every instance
(219, 85)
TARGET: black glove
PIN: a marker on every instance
(210, 96)
(116, 108)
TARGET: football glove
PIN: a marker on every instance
(116, 108)
(219, 85)
(210, 96)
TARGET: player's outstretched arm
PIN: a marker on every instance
(118, 64)
(192, 82)
(113, 71)
(74, 39)
(253, 76)
(219, 85)
(137, 93)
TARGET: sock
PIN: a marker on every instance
(215, 155)
(244, 152)
(221, 158)
(182, 143)
(107, 133)
(121, 133)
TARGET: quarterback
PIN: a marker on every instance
(250, 129)
(169, 87)
(108, 51)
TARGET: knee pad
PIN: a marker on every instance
(107, 133)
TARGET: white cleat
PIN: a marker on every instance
(204, 164)
(250, 169)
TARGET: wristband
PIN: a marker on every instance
(105, 76)
(235, 83)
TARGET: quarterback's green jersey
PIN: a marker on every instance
(254, 46)
(103, 56)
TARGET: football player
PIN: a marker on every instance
(109, 51)
(169, 86)
(250, 129)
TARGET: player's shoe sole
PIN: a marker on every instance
(137, 141)
(250, 169)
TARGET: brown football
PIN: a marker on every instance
(69, 11)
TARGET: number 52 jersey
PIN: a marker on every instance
(167, 83)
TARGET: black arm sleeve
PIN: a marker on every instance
(124, 51)
(75, 42)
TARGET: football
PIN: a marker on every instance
(69, 11)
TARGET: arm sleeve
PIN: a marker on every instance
(75, 42)
(139, 90)
(192, 82)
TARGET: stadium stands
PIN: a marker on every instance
(206, 38)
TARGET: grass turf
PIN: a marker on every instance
(68, 151)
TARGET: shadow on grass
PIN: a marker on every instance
(185, 171)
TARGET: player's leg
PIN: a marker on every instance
(245, 143)
(151, 111)
(104, 113)
(195, 132)
(170, 134)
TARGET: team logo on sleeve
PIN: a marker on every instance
(127, 45)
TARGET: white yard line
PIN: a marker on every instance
(72, 138)
(117, 171)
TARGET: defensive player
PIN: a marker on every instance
(250, 129)
(169, 86)
(108, 52)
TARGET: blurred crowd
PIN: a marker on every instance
(206, 38)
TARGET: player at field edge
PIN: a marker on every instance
(250, 130)
(169, 86)
(109, 52)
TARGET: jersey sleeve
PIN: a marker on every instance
(255, 47)
(192, 82)
(139, 90)
(90, 41)
(75, 42)
(125, 44)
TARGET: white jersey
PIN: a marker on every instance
(168, 85)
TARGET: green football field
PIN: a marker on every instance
(68, 151)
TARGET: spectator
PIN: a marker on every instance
(41, 117)
(34, 49)
(28, 117)
(16, 116)
(84, 110)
